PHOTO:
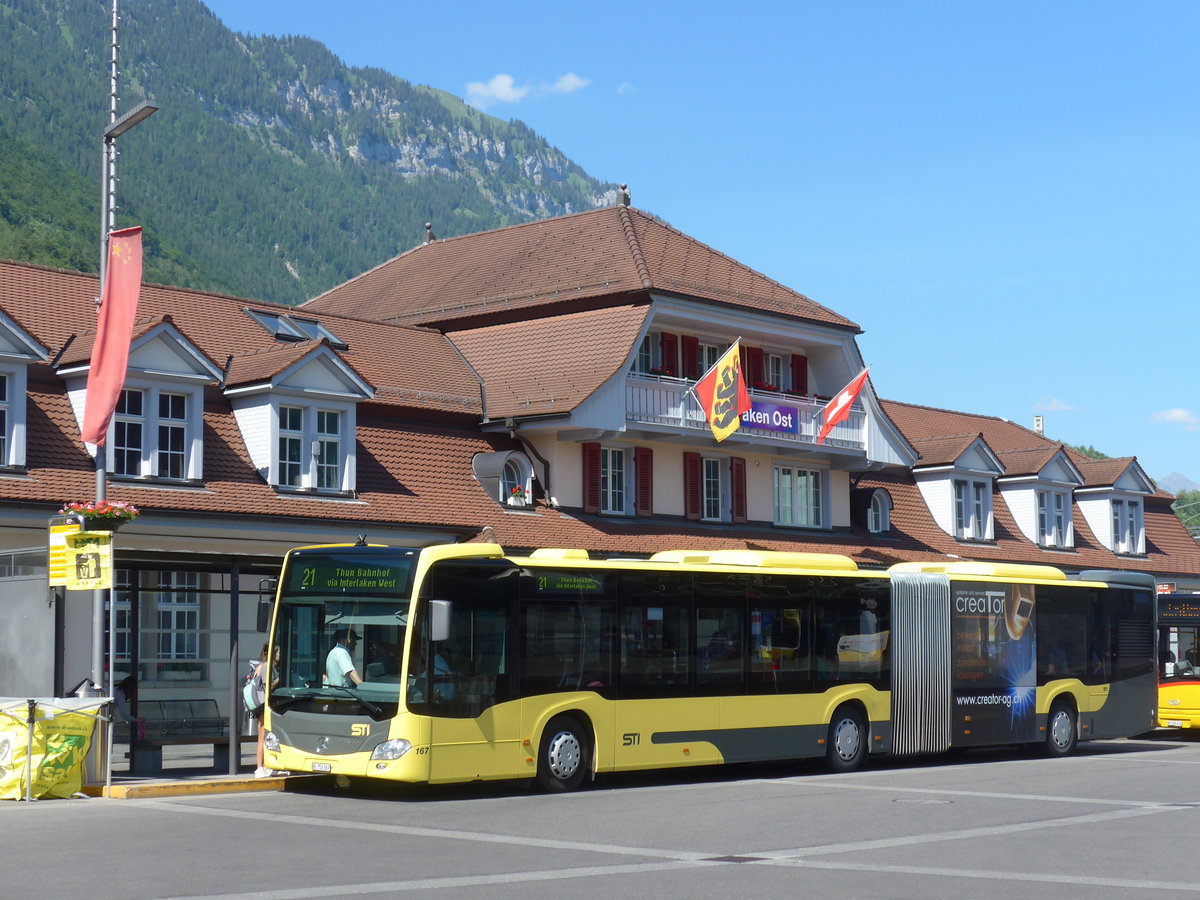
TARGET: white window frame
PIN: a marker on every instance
(329, 443)
(1128, 524)
(615, 469)
(774, 372)
(879, 513)
(313, 445)
(151, 421)
(799, 496)
(1053, 518)
(972, 499)
(176, 604)
(517, 472)
(713, 487)
(709, 354)
(643, 361)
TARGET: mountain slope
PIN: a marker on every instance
(272, 170)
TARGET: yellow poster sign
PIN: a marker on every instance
(60, 557)
(89, 564)
(61, 739)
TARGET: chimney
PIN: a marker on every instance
(1038, 425)
(430, 237)
(623, 195)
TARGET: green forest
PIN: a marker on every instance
(272, 170)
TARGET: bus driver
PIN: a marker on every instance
(339, 665)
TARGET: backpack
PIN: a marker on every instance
(254, 693)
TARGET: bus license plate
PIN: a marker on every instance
(1174, 723)
(322, 767)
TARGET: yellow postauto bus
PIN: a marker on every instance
(458, 662)
(1179, 660)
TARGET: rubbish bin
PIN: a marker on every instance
(44, 744)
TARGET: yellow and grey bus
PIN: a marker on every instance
(458, 662)
(1179, 660)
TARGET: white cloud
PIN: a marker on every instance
(501, 89)
(625, 88)
(569, 84)
(1053, 404)
(1177, 417)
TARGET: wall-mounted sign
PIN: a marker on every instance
(89, 565)
(772, 417)
(60, 557)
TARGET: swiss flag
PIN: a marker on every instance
(838, 408)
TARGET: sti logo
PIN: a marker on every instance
(360, 729)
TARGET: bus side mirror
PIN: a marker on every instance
(439, 619)
(266, 600)
(264, 616)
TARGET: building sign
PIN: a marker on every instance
(1166, 587)
(89, 561)
(772, 417)
(60, 557)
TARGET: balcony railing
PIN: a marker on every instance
(777, 416)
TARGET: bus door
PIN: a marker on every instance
(464, 683)
(659, 722)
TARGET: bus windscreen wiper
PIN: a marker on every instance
(366, 704)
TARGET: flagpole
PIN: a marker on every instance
(117, 126)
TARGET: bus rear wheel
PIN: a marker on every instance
(846, 746)
(1061, 734)
(563, 756)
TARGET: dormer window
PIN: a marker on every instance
(879, 513)
(1054, 518)
(301, 428)
(1127, 526)
(972, 509)
(294, 328)
(156, 432)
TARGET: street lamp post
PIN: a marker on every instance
(117, 126)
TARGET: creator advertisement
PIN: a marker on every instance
(995, 679)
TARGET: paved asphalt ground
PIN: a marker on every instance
(1121, 819)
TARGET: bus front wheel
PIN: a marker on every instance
(1061, 733)
(563, 757)
(846, 747)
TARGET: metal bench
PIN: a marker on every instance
(178, 722)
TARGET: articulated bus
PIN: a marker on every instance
(1179, 660)
(469, 664)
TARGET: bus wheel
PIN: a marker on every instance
(1060, 730)
(563, 757)
(846, 747)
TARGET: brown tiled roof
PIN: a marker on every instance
(925, 423)
(1103, 472)
(941, 451)
(58, 307)
(1030, 461)
(604, 253)
(550, 365)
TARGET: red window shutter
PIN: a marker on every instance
(591, 478)
(737, 485)
(800, 373)
(691, 357)
(643, 464)
(692, 499)
(756, 370)
(669, 345)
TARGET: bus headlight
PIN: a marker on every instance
(271, 742)
(391, 749)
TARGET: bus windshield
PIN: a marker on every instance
(338, 604)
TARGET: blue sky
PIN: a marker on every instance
(1004, 195)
